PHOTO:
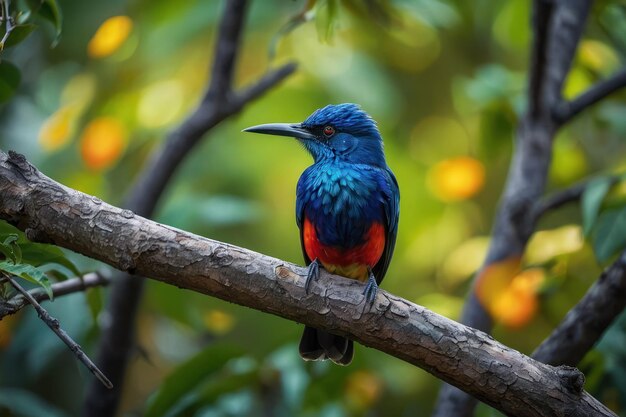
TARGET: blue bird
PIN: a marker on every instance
(347, 207)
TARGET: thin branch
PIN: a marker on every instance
(586, 322)
(559, 199)
(16, 303)
(8, 19)
(562, 197)
(542, 14)
(465, 357)
(566, 111)
(53, 324)
(226, 51)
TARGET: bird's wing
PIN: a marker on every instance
(390, 198)
(300, 203)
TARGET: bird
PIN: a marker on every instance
(347, 208)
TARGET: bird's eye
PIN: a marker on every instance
(329, 131)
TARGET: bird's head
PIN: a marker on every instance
(342, 131)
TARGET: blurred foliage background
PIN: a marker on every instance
(444, 79)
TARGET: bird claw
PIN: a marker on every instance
(371, 288)
(313, 274)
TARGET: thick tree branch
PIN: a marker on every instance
(586, 322)
(16, 303)
(470, 359)
(566, 111)
(218, 103)
(54, 325)
(557, 28)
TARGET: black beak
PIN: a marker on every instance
(282, 129)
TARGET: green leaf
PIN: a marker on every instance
(293, 22)
(95, 301)
(211, 390)
(38, 254)
(48, 10)
(592, 198)
(51, 12)
(9, 80)
(59, 270)
(609, 234)
(187, 376)
(29, 273)
(325, 18)
(18, 34)
(10, 249)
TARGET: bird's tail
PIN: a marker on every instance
(316, 345)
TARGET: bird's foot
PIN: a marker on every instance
(371, 288)
(313, 274)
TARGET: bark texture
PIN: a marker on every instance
(502, 377)
(586, 322)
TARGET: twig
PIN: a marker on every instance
(70, 286)
(586, 322)
(559, 199)
(562, 197)
(9, 22)
(55, 327)
(566, 111)
(470, 359)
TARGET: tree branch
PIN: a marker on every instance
(562, 197)
(557, 28)
(558, 199)
(542, 14)
(218, 103)
(54, 325)
(470, 359)
(16, 303)
(586, 322)
(566, 111)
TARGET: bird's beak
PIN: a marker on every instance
(282, 129)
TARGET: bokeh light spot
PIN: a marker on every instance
(510, 296)
(111, 34)
(79, 90)
(218, 321)
(463, 261)
(449, 135)
(577, 81)
(160, 103)
(548, 244)
(517, 305)
(56, 130)
(598, 56)
(456, 178)
(363, 389)
(102, 142)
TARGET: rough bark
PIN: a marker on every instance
(502, 377)
(586, 322)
